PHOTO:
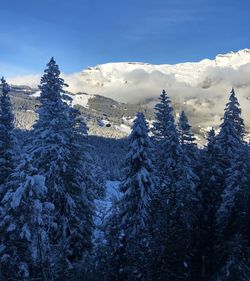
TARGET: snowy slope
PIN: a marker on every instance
(81, 99)
(77, 99)
(104, 206)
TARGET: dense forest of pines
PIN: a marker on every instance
(184, 214)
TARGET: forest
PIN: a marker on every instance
(183, 213)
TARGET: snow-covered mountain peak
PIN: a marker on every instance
(126, 81)
(233, 59)
(120, 73)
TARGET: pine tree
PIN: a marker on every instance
(230, 144)
(187, 139)
(232, 113)
(139, 183)
(186, 135)
(205, 260)
(126, 233)
(24, 215)
(232, 130)
(173, 165)
(233, 216)
(163, 116)
(59, 152)
(7, 140)
(173, 206)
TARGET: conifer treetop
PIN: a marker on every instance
(232, 116)
(51, 84)
(138, 183)
(6, 115)
(5, 86)
(186, 135)
(164, 116)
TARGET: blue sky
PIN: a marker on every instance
(81, 33)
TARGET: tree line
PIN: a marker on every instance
(184, 213)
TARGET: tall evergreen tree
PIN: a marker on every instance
(24, 214)
(163, 116)
(128, 225)
(205, 260)
(186, 135)
(138, 184)
(173, 206)
(234, 218)
(230, 143)
(7, 140)
(232, 130)
(58, 154)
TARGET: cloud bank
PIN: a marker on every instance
(201, 90)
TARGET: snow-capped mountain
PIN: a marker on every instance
(199, 88)
(191, 73)
(117, 90)
(136, 81)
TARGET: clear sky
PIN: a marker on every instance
(81, 33)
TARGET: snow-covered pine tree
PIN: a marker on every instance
(233, 113)
(138, 184)
(58, 154)
(187, 139)
(24, 213)
(230, 142)
(163, 116)
(204, 261)
(172, 163)
(234, 218)
(173, 207)
(126, 232)
(7, 140)
(83, 185)
(186, 135)
(232, 130)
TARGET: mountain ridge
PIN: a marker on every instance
(104, 75)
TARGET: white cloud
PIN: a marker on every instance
(28, 80)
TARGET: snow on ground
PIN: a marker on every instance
(104, 206)
(123, 128)
(77, 99)
(36, 94)
(81, 99)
